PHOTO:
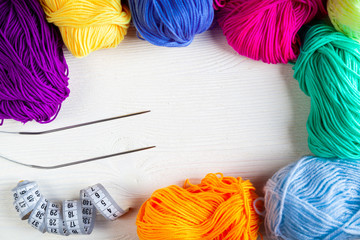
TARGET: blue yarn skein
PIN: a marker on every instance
(171, 23)
(314, 198)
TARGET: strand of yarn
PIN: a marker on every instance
(217, 208)
(88, 25)
(266, 29)
(314, 198)
(33, 70)
(171, 23)
(345, 16)
(328, 71)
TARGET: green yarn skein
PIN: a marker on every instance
(328, 70)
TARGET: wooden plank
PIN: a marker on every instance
(212, 111)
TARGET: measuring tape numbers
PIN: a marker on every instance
(72, 217)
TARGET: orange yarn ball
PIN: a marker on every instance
(217, 208)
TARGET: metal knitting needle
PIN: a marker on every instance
(76, 162)
(76, 125)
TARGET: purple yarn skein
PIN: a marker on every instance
(33, 70)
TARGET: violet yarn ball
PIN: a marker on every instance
(33, 70)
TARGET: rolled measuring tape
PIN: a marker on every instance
(73, 217)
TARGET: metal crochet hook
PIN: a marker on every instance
(76, 162)
(76, 125)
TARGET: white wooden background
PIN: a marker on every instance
(211, 111)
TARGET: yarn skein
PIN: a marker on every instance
(171, 23)
(266, 29)
(88, 25)
(345, 16)
(33, 70)
(314, 198)
(328, 71)
(217, 208)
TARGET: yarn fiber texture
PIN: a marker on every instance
(328, 70)
(88, 25)
(33, 70)
(171, 23)
(314, 198)
(266, 30)
(217, 208)
(345, 16)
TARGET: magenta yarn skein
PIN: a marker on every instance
(266, 29)
(33, 70)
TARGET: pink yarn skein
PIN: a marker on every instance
(266, 29)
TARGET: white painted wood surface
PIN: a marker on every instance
(211, 111)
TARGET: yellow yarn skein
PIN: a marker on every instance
(88, 25)
(345, 16)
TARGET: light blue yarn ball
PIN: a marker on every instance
(171, 23)
(314, 198)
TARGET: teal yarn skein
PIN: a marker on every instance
(314, 198)
(328, 70)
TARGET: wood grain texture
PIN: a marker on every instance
(211, 111)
